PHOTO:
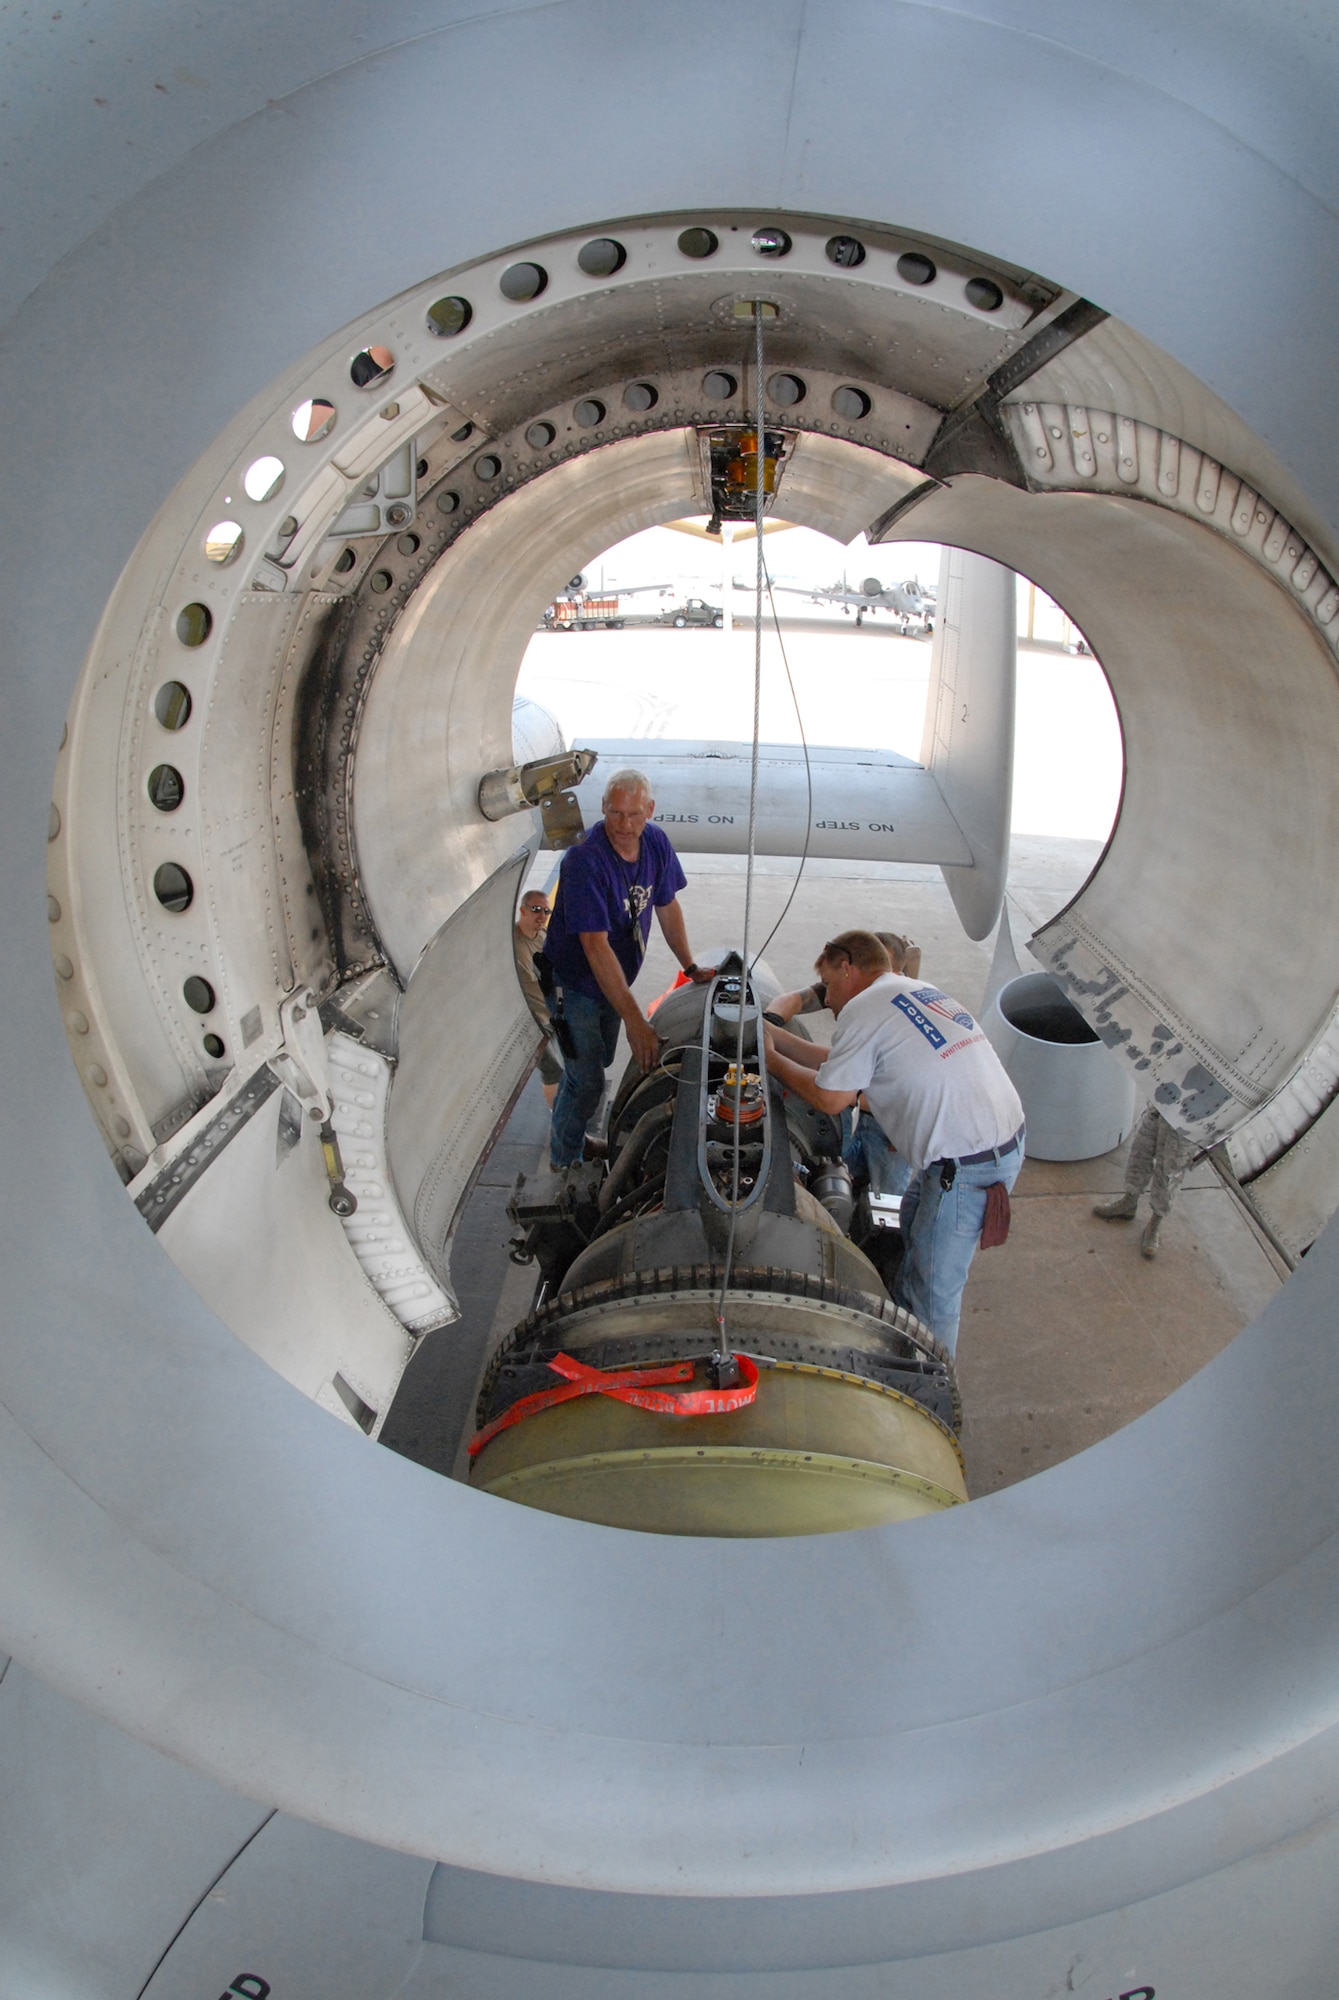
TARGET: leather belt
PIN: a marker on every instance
(993, 1152)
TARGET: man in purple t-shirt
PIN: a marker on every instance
(607, 888)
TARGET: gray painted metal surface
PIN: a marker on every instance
(869, 805)
(968, 747)
(1083, 1731)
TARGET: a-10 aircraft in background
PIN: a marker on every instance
(912, 603)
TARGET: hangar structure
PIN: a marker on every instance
(335, 344)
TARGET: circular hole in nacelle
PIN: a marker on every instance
(522, 282)
(198, 994)
(602, 257)
(916, 268)
(172, 705)
(698, 242)
(984, 294)
(173, 887)
(449, 316)
(263, 478)
(214, 1047)
(165, 788)
(370, 366)
(850, 403)
(313, 419)
(194, 624)
(223, 543)
(845, 251)
(625, 391)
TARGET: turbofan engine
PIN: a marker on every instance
(711, 1354)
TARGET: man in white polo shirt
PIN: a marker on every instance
(939, 1092)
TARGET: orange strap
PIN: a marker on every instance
(637, 1386)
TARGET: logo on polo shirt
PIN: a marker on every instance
(939, 1003)
(905, 1003)
(927, 1000)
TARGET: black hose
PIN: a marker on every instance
(645, 1191)
(633, 1151)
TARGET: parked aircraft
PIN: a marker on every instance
(910, 603)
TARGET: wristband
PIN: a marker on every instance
(691, 969)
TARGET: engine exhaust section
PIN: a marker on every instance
(817, 1405)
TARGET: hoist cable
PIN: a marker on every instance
(760, 573)
(808, 782)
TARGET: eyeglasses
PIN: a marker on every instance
(834, 954)
(535, 909)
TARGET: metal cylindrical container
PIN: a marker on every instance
(1079, 1099)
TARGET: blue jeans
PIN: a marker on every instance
(868, 1154)
(941, 1231)
(594, 1026)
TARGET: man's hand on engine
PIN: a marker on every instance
(644, 1043)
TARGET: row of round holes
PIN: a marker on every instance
(166, 788)
(600, 258)
(604, 256)
(523, 282)
(848, 402)
(176, 892)
(311, 421)
(314, 418)
(261, 481)
(172, 885)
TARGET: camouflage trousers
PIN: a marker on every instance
(1158, 1161)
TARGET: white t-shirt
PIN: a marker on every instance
(932, 1079)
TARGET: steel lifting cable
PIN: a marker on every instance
(808, 779)
(760, 574)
